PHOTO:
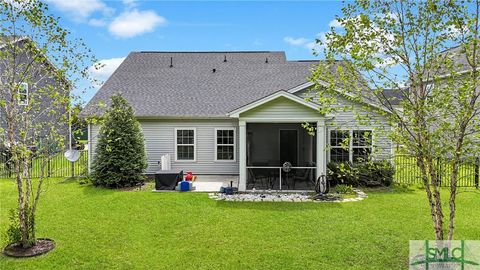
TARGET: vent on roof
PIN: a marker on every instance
(214, 70)
(224, 58)
(171, 62)
(266, 60)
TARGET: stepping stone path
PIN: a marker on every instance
(283, 197)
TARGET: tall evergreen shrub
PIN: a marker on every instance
(120, 159)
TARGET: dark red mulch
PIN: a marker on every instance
(42, 246)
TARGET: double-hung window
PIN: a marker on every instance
(350, 145)
(185, 144)
(361, 145)
(339, 146)
(23, 94)
(225, 144)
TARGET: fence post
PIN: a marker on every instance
(49, 168)
(439, 171)
(477, 171)
(73, 169)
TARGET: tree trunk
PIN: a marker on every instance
(453, 196)
(453, 183)
(439, 233)
(437, 221)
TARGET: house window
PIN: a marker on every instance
(361, 145)
(343, 148)
(225, 144)
(23, 94)
(185, 144)
(340, 146)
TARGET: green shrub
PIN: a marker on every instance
(13, 233)
(343, 189)
(342, 173)
(368, 174)
(120, 158)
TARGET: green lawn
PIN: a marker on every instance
(106, 229)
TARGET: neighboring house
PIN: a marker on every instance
(236, 113)
(33, 88)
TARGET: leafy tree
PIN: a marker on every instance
(120, 158)
(404, 45)
(79, 125)
(39, 65)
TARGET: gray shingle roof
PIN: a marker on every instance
(394, 96)
(459, 59)
(191, 89)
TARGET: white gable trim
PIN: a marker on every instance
(236, 113)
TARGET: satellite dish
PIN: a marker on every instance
(72, 155)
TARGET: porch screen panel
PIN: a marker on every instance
(225, 144)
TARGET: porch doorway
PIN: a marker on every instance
(289, 146)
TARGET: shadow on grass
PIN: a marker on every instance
(398, 189)
(70, 180)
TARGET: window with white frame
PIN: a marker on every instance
(339, 146)
(185, 143)
(23, 94)
(350, 145)
(361, 145)
(225, 144)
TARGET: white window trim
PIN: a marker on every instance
(331, 146)
(350, 147)
(27, 94)
(234, 145)
(360, 147)
(194, 144)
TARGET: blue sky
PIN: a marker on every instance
(114, 28)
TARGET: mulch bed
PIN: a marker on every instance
(42, 246)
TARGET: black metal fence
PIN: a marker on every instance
(407, 171)
(56, 166)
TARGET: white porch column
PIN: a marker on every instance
(321, 151)
(242, 184)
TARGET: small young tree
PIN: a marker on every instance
(39, 66)
(120, 158)
(406, 45)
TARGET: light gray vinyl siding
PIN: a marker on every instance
(281, 108)
(346, 120)
(160, 140)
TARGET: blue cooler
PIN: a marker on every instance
(185, 186)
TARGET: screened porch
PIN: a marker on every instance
(280, 156)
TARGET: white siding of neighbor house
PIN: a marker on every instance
(160, 140)
(346, 120)
(281, 108)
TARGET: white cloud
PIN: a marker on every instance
(134, 23)
(335, 24)
(129, 4)
(97, 22)
(80, 9)
(105, 68)
(309, 44)
(296, 41)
